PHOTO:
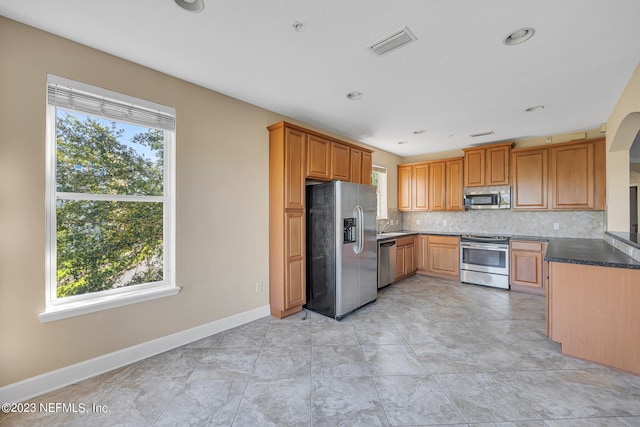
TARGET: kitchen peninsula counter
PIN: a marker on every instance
(593, 295)
(595, 252)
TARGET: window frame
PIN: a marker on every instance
(382, 210)
(60, 308)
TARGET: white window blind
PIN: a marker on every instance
(67, 94)
(379, 169)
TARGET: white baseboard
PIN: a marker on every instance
(35, 386)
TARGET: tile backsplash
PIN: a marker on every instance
(623, 246)
(582, 224)
(394, 219)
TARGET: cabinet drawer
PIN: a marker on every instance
(527, 246)
(402, 241)
(446, 240)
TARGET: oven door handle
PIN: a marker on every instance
(487, 247)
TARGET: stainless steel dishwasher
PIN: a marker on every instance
(386, 262)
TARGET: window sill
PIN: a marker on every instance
(85, 307)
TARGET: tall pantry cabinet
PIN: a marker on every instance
(295, 154)
(287, 148)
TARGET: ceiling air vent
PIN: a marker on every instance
(475, 135)
(394, 41)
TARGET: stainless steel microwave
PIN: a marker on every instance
(487, 198)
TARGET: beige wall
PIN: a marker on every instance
(622, 127)
(222, 206)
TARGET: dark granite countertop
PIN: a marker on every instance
(595, 252)
(531, 238)
(396, 234)
(439, 233)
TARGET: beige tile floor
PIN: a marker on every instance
(427, 352)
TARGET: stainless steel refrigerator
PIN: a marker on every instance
(341, 247)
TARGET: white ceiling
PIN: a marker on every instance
(457, 79)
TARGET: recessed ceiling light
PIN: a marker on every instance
(191, 5)
(403, 142)
(354, 95)
(519, 36)
(418, 132)
(534, 108)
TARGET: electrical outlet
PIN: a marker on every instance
(444, 222)
(556, 226)
(258, 287)
(417, 222)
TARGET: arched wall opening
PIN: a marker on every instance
(618, 173)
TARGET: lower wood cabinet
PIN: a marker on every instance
(439, 256)
(405, 257)
(422, 242)
(443, 256)
(527, 266)
(593, 313)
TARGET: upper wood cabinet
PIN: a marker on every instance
(487, 165)
(420, 187)
(367, 167)
(474, 167)
(413, 187)
(567, 176)
(318, 157)
(577, 176)
(497, 164)
(356, 166)
(434, 185)
(437, 186)
(294, 146)
(530, 178)
(360, 166)
(340, 161)
(328, 159)
(404, 187)
(454, 184)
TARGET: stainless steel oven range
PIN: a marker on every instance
(484, 260)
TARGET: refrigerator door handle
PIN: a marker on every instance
(359, 229)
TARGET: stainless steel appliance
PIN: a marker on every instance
(484, 260)
(341, 247)
(487, 197)
(386, 262)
